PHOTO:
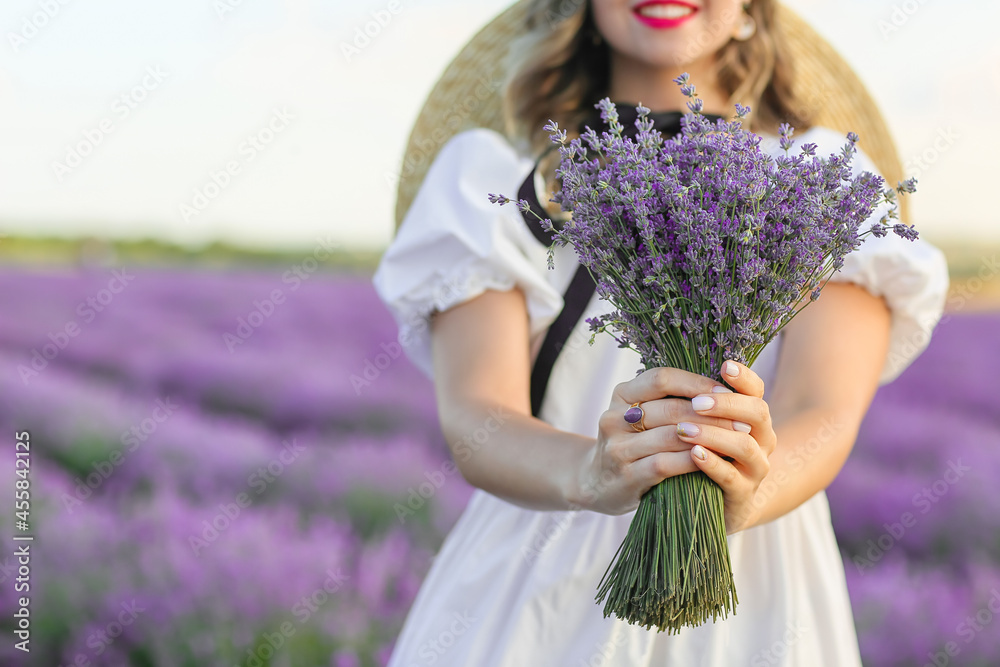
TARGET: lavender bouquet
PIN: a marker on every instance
(706, 246)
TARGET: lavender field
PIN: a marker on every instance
(238, 468)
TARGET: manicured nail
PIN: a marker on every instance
(702, 403)
(731, 369)
(741, 426)
(700, 452)
(721, 390)
(688, 430)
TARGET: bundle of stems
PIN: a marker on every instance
(673, 568)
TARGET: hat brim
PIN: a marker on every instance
(468, 95)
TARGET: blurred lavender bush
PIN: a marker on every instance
(277, 500)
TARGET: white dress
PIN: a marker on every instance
(512, 587)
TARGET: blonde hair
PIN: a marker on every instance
(562, 69)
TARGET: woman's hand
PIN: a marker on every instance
(624, 464)
(747, 442)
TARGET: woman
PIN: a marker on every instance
(514, 582)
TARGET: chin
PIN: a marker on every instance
(664, 55)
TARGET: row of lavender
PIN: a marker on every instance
(244, 469)
(916, 508)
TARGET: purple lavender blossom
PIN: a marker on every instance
(707, 233)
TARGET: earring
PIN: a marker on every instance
(747, 29)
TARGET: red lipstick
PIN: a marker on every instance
(664, 14)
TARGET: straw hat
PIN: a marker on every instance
(468, 95)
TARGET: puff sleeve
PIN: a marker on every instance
(912, 276)
(454, 244)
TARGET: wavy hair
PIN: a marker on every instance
(561, 68)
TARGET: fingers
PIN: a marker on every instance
(718, 442)
(720, 471)
(749, 414)
(669, 411)
(629, 449)
(655, 468)
(737, 407)
(742, 379)
(661, 382)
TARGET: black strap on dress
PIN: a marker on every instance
(582, 286)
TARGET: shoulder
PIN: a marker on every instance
(481, 147)
(453, 203)
(454, 243)
(466, 169)
(455, 191)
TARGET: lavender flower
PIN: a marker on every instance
(708, 232)
(907, 232)
(706, 247)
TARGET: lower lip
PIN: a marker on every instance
(663, 24)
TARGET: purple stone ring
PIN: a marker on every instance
(634, 417)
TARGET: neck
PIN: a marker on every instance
(635, 81)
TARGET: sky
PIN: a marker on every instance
(244, 121)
